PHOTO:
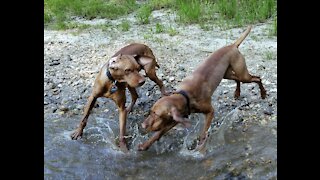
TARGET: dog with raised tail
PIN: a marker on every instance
(195, 91)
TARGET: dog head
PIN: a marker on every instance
(166, 110)
(124, 68)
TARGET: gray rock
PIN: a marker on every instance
(80, 106)
(63, 108)
(54, 64)
(68, 58)
(268, 111)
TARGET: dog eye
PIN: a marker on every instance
(128, 70)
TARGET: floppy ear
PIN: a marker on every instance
(113, 63)
(177, 117)
(143, 60)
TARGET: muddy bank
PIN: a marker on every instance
(243, 140)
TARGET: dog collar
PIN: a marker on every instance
(185, 95)
(110, 76)
(114, 88)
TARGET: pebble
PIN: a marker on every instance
(80, 106)
(171, 78)
(68, 58)
(268, 111)
(53, 109)
(49, 86)
(273, 90)
(63, 108)
(54, 63)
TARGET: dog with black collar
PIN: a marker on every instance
(119, 73)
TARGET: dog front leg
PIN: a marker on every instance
(204, 133)
(78, 132)
(147, 144)
(122, 124)
(157, 135)
(120, 99)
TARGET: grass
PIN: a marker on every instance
(273, 28)
(159, 28)
(224, 13)
(58, 12)
(241, 12)
(205, 26)
(125, 25)
(143, 14)
(269, 55)
(172, 31)
(189, 11)
(160, 4)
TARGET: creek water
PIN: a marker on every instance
(237, 148)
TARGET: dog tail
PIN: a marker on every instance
(242, 37)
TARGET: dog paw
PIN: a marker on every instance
(123, 146)
(77, 134)
(141, 147)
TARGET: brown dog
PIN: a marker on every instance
(122, 71)
(194, 94)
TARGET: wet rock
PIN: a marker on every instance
(181, 68)
(273, 90)
(54, 63)
(55, 91)
(54, 109)
(63, 108)
(80, 106)
(268, 111)
(67, 58)
(49, 86)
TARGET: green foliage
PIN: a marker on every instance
(269, 55)
(125, 25)
(159, 28)
(57, 12)
(172, 31)
(225, 13)
(273, 28)
(240, 12)
(189, 11)
(159, 4)
(143, 14)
